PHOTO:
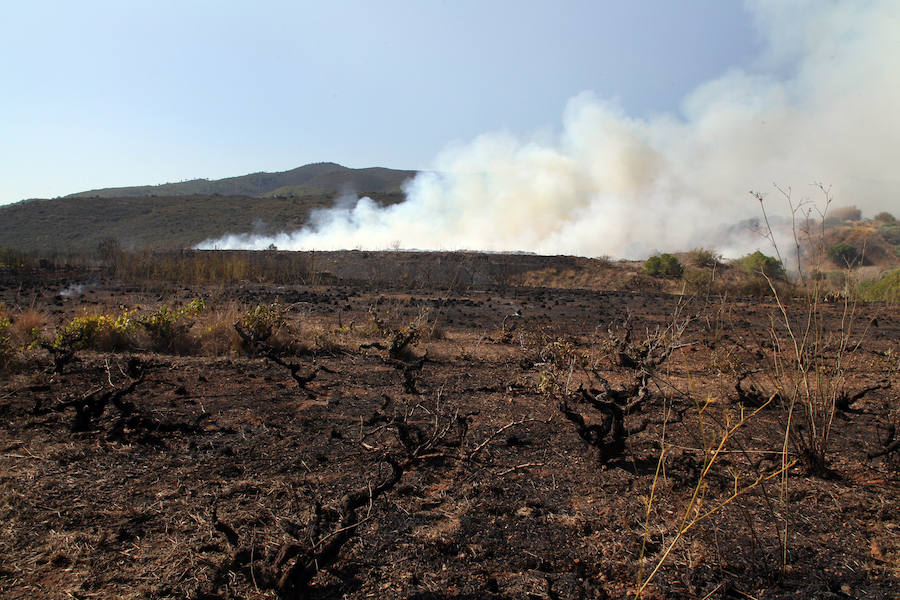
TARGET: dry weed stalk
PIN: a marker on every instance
(696, 510)
(809, 355)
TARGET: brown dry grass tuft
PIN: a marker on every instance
(215, 330)
(27, 326)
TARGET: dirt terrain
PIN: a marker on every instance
(448, 439)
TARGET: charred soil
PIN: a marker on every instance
(521, 443)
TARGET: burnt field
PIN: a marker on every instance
(448, 434)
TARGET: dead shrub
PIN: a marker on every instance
(704, 258)
(810, 356)
(436, 332)
(324, 339)
(401, 340)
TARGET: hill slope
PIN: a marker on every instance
(80, 224)
(312, 178)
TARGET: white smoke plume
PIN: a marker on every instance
(821, 104)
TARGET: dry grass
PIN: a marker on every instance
(215, 330)
(27, 325)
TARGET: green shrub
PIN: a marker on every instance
(263, 321)
(652, 266)
(758, 263)
(664, 265)
(168, 330)
(704, 257)
(268, 324)
(885, 217)
(844, 255)
(886, 289)
(890, 232)
(98, 332)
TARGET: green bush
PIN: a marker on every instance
(168, 329)
(844, 255)
(663, 265)
(263, 321)
(97, 332)
(268, 324)
(885, 217)
(758, 263)
(890, 232)
(886, 289)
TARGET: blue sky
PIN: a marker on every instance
(99, 94)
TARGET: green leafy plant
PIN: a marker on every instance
(664, 266)
(758, 263)
(890, 232)
(886, 289)
(168, 329)
(263, 321)
(98, 331)
(844, 255)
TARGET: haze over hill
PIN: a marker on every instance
(178, 215)
(312, 178)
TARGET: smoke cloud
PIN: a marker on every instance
(820, 104)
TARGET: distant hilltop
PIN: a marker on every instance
(309, 179)
(179, 215)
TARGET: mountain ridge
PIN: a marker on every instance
(313, 178)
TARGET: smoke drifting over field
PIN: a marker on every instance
(819, 104)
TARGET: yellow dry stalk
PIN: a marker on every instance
(694, 513)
